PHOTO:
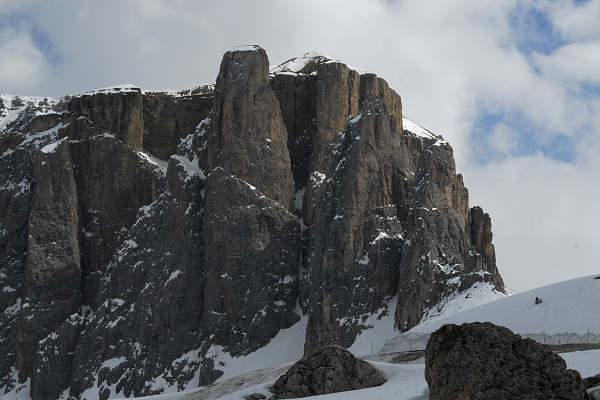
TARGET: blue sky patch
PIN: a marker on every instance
(21, 22)
(533, 31)
(528, 139)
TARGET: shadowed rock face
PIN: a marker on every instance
(170, 117)
(485, 361)
(116, 112)
(142, 233)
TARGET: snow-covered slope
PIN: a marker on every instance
(405, 382)
(478, 294)
(416, 129)
(568, 314)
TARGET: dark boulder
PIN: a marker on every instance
(329, 370)
(592, 381)
(485, 361)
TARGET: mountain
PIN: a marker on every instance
(567, 313)
(151, 241)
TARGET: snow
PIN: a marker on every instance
(22, 187)
(35, 138)
(382, 328)
(404, 381)
(124, 88)
(20, 391)
(10, 113)
(51, 148)
(478, 294)
(383, 235)
(253, 188)
(287, 346)
(295, 65)
(113, 363)
(586, 362)
(246, 47)
(200, 89)
(317, 178)
(161, 164)
(356, 119)
(407, 381)
(555, 315)
(190, 167)
(7, 153)
(568, 314)
(268, 362)
(256, 372)
(173, 275)
(419, 131)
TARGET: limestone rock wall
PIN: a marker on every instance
(143, 232)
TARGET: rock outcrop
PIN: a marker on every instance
(485, 361)
(142, 234)
(329, 370)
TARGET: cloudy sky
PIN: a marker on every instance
(514, 85)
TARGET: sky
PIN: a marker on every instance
(514, 85)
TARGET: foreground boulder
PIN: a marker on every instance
(485, 361)
(592, 381)
(329, 370)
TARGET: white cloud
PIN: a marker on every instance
(448, 60)
(545, 217)
(503, 139)
(22, 65)
(574, 63)
(575, 21)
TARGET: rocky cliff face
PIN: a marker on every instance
(142, 233)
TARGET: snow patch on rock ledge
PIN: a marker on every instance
(190, 167)
(296, 65)
(51, 148)
(161, 164)
(246, 47)
(124, 88)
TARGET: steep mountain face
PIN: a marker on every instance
(142, 232)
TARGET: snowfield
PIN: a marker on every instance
(568, 314)
(405, 382)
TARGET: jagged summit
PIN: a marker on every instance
(149, 241)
